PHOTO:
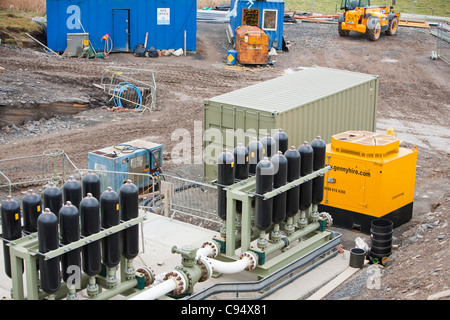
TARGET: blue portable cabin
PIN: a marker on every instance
(267, 15)
(125, 21)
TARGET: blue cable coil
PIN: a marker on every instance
(120, 88)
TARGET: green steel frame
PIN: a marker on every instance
(24, 251)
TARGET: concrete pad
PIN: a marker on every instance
(159, 243)
(334, 283)
(314, 279)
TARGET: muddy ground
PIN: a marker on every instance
(413, 99)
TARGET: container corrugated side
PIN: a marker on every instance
(342, 101)
(225, 126)
(351, 109)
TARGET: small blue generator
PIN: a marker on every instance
(137, 160)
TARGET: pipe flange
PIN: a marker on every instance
(149, 275)
(328, 218)
(213, 245)
(253, 260)
(206, 268)
(179, 280)
(187, 275)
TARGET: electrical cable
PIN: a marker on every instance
(119, 90)
(107, 49)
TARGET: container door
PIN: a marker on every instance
(121, 27)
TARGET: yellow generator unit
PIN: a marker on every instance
(372, 177)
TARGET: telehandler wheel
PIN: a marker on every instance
(342, 33)
(374, 33)
(393, 26)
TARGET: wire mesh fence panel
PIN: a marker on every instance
(442, 34)
(34, 172)
(146, 183)
(182, 199)
(186, 200)
(130, 88)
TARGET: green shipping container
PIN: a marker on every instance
(305, 104)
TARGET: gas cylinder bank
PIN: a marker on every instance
(87, 237)
(372, 177)
(77, 247)
(269, 196)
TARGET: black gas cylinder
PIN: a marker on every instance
(72, 192)
(255, 151)
(264, 183)
(31, 209)
(269, 146)
(319, 146)
(48, 239)
(110, 216)
(69, 224)
(293, 194)
(282, 140)
(11, 228)
(280, 165)
(306, 167)
(225, 177)
(240, 154)
(129, 209)
(90, 224)
(53, 199)
(91, 184)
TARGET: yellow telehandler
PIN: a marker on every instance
(361, 17)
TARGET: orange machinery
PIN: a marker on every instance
(252, 45)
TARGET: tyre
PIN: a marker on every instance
(393, 26)
(342, 33)
(374, 33)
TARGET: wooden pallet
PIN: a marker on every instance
(413, 23)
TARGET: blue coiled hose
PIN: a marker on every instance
(120, 88)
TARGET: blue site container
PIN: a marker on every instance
(125, 21)
(270, 18)
(136, 156)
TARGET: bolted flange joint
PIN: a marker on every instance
(327, 217)
(253, 260)
(206, 269)
(179, 280)
(149, 275)
(214, 248)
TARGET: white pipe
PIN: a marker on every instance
(247, 261)
(204, 252)
(229, 267)
(157, 291)
(209, 249)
